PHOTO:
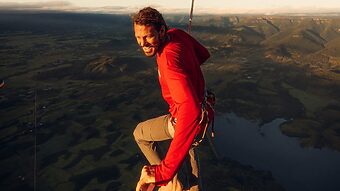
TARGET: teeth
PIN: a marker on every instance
(147, 49)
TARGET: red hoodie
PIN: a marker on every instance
(182, 85)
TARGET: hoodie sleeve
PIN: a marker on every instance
(187, 124)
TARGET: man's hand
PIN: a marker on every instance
(147, 179)
(173, 185)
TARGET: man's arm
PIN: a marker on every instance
(187, 124)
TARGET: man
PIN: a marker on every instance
(179, 57)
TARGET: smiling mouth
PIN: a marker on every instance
(147, 49)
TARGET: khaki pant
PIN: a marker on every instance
(159, 129)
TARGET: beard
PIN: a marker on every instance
(151, 50)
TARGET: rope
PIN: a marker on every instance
(190, 17)
(35, 140)
(200, 181)
(2, 84)
(204, 119)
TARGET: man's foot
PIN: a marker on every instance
(194, 188)
(173, 185)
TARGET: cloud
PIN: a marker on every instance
(51, 5)
(62, 6)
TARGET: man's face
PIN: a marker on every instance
(148, 38)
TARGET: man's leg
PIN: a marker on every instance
(147, 132)
(193, 179)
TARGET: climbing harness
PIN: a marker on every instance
(207, 117)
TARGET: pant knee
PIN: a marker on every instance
(137, 133)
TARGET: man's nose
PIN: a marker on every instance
(143, 42)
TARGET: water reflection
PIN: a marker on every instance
(266, 148)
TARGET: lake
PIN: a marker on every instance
(266, 148)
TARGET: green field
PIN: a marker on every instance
(91, 86)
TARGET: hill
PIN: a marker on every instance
(93, 86)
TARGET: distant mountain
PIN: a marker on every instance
(332, 48)
(109, 67)
(285, 38)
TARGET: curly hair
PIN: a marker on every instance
(150, 16)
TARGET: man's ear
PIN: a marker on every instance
(162, 32)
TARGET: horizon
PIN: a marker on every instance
(213, 7)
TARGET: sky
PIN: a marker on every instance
(201, 6)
